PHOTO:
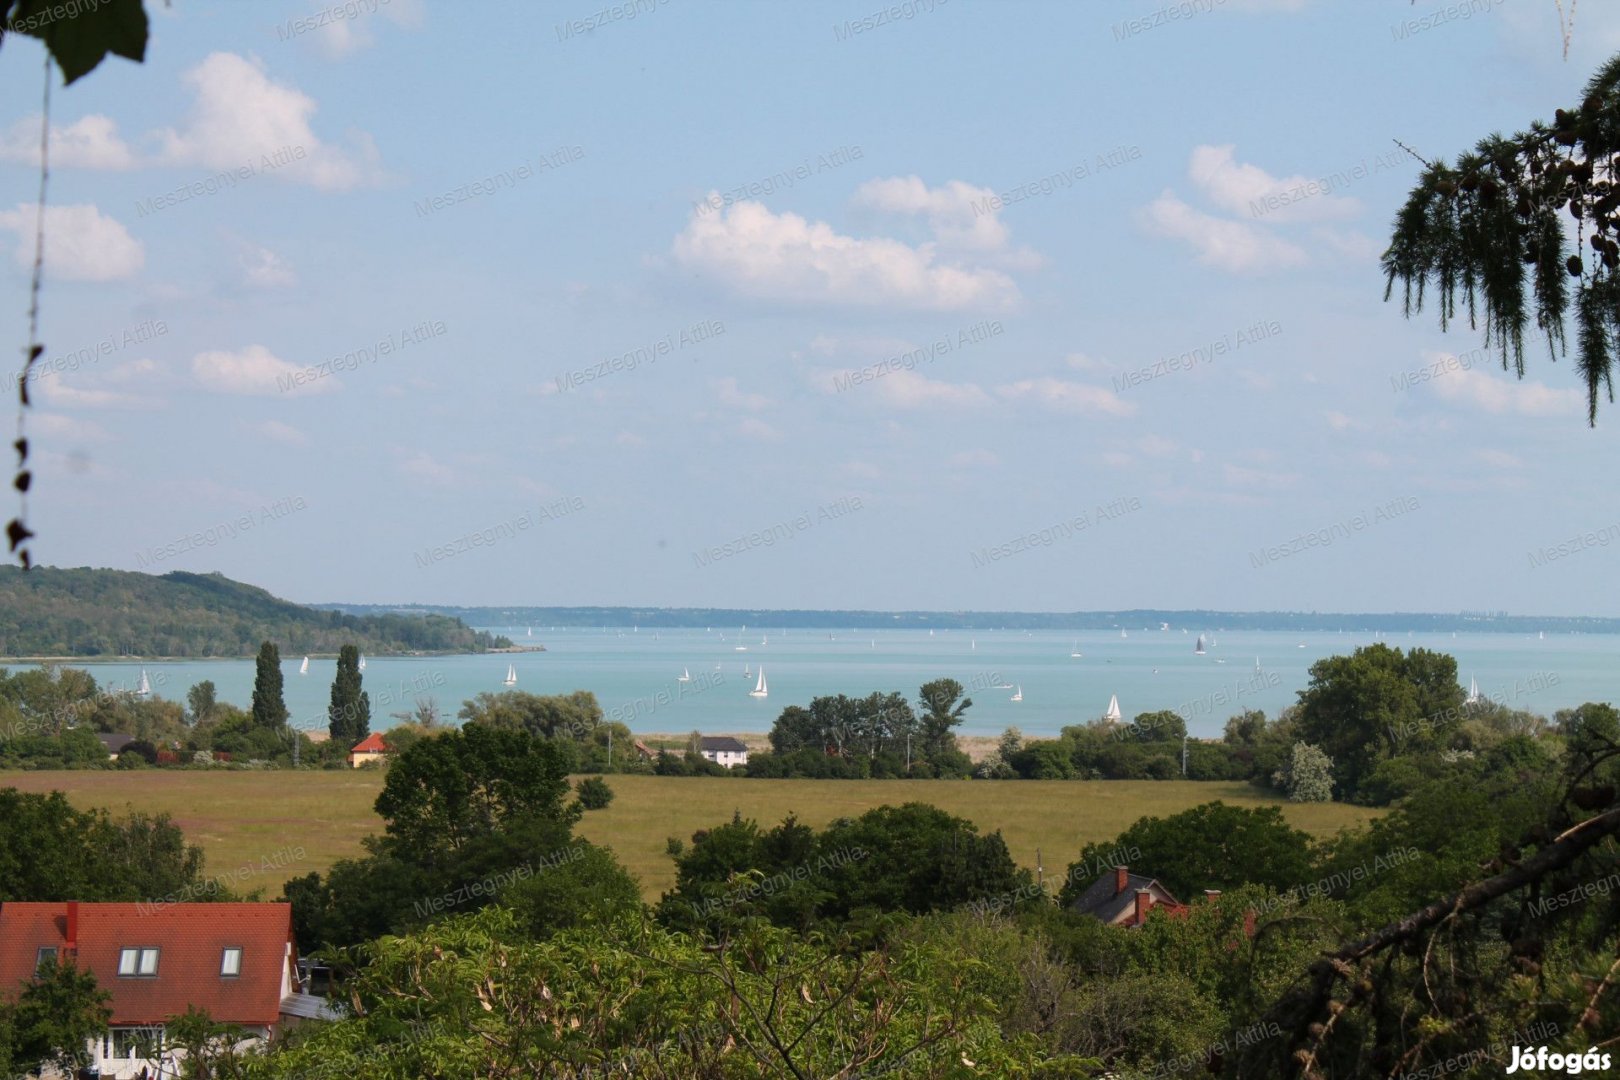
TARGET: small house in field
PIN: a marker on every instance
(371, 748)
(115, 742)
(159, 959)
(1121, 898)
(723, 750)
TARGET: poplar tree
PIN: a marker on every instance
(349, 715)
(269, 708)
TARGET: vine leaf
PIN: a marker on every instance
(78, 42)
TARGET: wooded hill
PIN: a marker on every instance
(85, 612)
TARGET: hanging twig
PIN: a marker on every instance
(1566, 26)
(17, 531)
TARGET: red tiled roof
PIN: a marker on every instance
(371, 744)
(191, 939)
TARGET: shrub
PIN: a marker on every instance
(594, 793)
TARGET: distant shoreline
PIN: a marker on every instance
(624, 618)
(142, 659)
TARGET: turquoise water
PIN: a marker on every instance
(635, 674)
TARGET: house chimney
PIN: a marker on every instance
(1212, 894)
(1144, 901)
(1122, 878)
(72, 927)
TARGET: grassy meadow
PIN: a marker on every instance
(252, 825)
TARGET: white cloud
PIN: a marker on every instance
(1239, 476)
(423, 466)
(1063, 395)
(253, 371)
(1156, 445)
(784, 257)
(1117, 459)
(1227, 245)
(262, 268)
(1476, 389)
(909, 390)
(949, 209)
(1242, 189)
(54, 426)
(729, 394)
(240, 117)
(973, 459)
(81, 243)
(1083, 362)
(755, 428)
(1500, 459)
(54, 389)
(1338, 421)
(353, 26)
(282, 433)
(90, 142)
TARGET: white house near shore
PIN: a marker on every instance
(724, 750)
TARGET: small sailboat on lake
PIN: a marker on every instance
(1113, 715)
(759, 689)
(303, 669)
(511, 676)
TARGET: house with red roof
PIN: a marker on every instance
(1121, 898)
(237, 961)
(369, 749)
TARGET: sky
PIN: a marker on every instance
(946, 305)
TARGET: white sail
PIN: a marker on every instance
(1257, 665)
(686, 675)
(1113, 714)
(1076, 650)
(145, 686)
(1019, 695)
(1198, 649)
(511, 675)
(362, 665)
(1123, 634)
(759, 689)
(303, 669)
(1474, 697)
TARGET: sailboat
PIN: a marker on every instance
(686, 676)
(764, 641)
(531, 631)
(975, 644)
(1257, 665)
(1113, 715)
(1474, 697)
(1198, 649)
(759, 688)
(1123, 634)
(303, 669)
(1075, 652)
(1019, 695)
(362, 665)
(511, 675)
(740, 647)
(748, 672)
(145, 686)
(1541, 635)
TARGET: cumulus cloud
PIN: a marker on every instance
(90, 142)
(1063, 395)
(1243, 189)
(253, 371)
(262, 268)
(755, 428)
(948, 208)
(81, 243)
(784, 257)
(909, 390)
(240, 116)
(730, 394)
(1237, 246)
(1472, 388)
(282, 433)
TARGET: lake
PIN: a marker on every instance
(635, 673)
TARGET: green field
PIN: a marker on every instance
(260, 828)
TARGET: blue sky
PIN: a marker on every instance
(903, 266)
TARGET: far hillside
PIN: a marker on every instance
(85, 612)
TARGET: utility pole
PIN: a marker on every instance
(610, 751)
(1184, 757)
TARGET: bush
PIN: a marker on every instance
(594, 793)
(1308, 776)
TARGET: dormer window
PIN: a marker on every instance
(230, 962)
(138, 963)
(46, 953)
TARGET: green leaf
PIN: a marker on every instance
(80, 32)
